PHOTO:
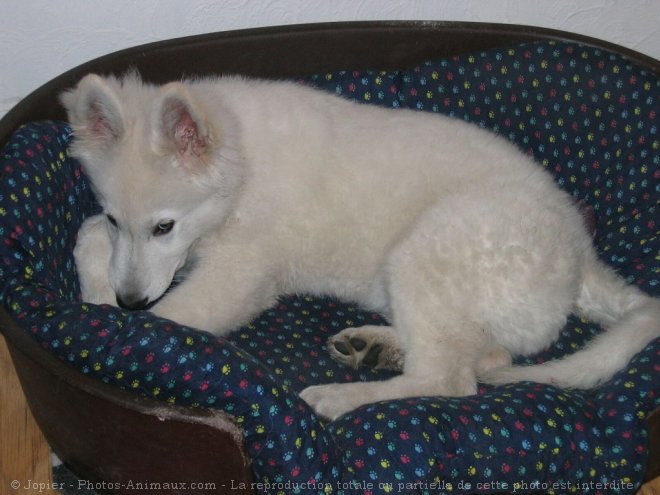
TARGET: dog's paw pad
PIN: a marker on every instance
(342, 348)
(372, 356)
(365, 346)
(357, 343)
(349, 347)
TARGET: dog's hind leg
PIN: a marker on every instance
(464, 291)
(446, 367)
(440, 341)
(379, 347)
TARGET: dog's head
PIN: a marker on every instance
(163, 165)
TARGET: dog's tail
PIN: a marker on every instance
(631, 320)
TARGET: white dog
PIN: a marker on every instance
(261, 188)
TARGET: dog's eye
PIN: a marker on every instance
(112, 220)
(163, 227)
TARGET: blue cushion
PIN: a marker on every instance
(588, 116)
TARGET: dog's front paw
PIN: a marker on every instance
(178, 309)
(92, 255)
(330, 401)
(371, 345)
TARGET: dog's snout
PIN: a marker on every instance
(132, 301)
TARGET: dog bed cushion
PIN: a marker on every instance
(587, 115)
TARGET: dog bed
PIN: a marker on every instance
(588, 115)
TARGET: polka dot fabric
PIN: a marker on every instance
(588, 116)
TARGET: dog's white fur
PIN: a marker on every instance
(464, 243)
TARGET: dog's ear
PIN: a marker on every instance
(94, 110)
(181, 129)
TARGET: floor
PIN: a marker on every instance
(68, 483)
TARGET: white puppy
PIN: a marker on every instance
(259, 188)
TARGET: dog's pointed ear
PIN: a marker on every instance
(94, 110)
(180, 128)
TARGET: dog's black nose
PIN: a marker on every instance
(132, 302)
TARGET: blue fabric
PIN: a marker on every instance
(588, 116)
